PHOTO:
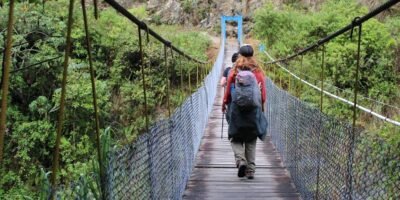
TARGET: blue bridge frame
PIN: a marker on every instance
(239, 20)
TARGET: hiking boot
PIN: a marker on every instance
(242, 169)
(250, 174)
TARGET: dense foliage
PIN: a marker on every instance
(287, 30)
(35, 92)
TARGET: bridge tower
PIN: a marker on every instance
(239, 20)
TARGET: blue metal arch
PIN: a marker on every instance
(239, 20)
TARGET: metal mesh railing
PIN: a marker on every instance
(158, 165)
(322, 157)
(376, 169)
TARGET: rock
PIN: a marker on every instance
(201, 13)
(125, 3)
(168, 12)
(154, 5)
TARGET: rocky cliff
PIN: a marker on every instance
(200, 13)
(206, 13)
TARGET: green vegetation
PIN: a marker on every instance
(35, 93)
(288, 30)
(188, 5)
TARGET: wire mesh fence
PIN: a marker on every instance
(376, 169)
(158, 165)
(324, 160)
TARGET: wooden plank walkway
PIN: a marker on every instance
(215, 174)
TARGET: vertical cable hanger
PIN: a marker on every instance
(201, 73)
(301, 69)
(295, 85)
(197, 75)
(190, 82)
(322, 76)
(147, 34)
(289, 82)
(94, 96)
(167, 79)
(96, 12)
(274, 71)
(62, 102)
(204, 71)
(6, 77)
(356, 22)
(181, 72)
(280, 77)
(142, 64)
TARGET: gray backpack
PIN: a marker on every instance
(247, 95)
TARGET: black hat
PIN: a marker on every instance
(235, 57)
(246, 50)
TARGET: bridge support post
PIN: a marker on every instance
(239, 20)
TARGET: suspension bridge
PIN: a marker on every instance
(307, 154)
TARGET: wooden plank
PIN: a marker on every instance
(215, 174)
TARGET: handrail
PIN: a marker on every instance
(145, 27)
(335, 96)
(354, 23)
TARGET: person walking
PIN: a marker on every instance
(224, 79)
(228, 69)
(247, 121)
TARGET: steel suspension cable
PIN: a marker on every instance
(369, 111)
(299, 72)
(144, 26)
(5, 78)
(94, 96)
(62, 102)
(349, 27)
(36, 64)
